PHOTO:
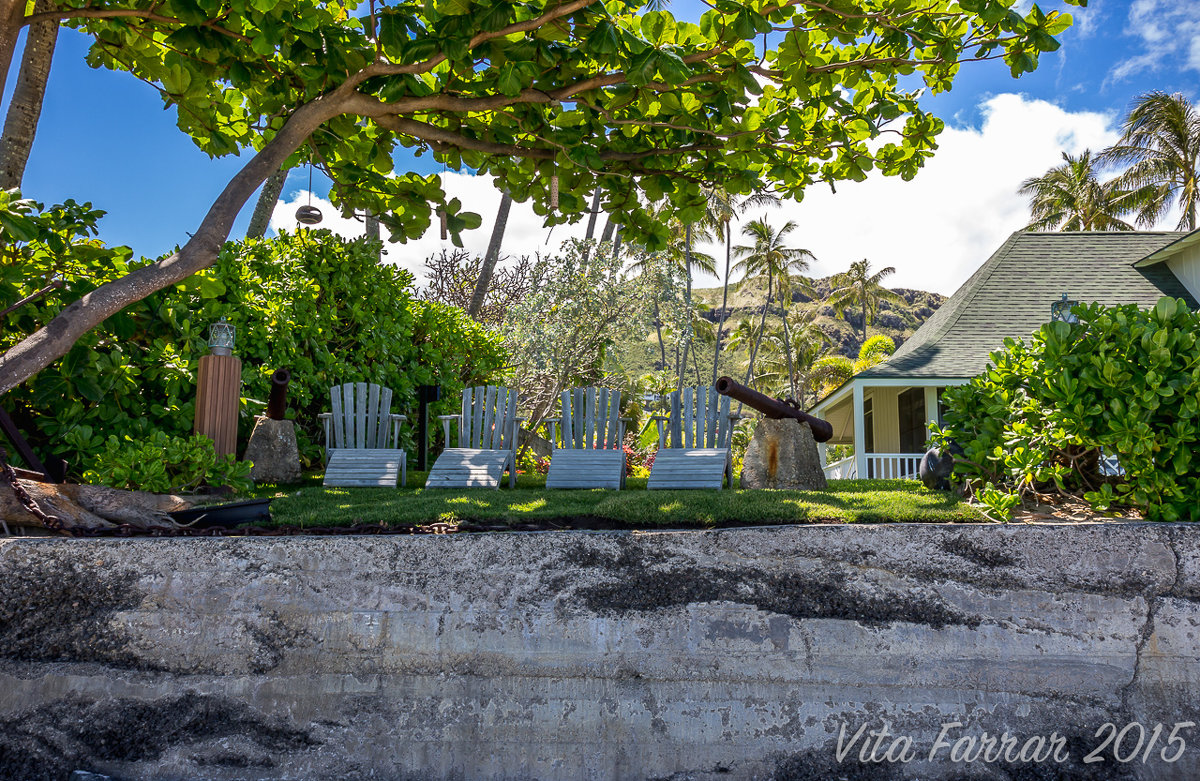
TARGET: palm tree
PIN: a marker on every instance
(492, 256)
(722, 207)
(1071, 197)
(859, 287)
(268, 196)
(1160, 142)
(680, 254)
(25, 107)
(770, 259)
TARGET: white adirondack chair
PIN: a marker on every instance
(487, 441)
(693, 441)
(592, 454)
(362, 437)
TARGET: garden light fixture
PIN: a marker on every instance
(220, 338)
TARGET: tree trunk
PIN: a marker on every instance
(52, 341)
(724, 301)
(662, 348)
(687, 269)
(492, 256)
(762, 329)
(91, 507)
(12, 16)
(787, 349)
(595, 210)
(372, 226)
(267, 198)
(20, 125)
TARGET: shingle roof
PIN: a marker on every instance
(1010, 295)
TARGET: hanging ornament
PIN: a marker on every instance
(308, 214)
(442, 219)
(553, 170)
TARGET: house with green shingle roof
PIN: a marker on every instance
(885, 411)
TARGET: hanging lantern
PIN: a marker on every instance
(1061, 311)
(220, 337)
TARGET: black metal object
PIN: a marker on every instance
(426, 395)
(774, 408)
(277, 401)
(225, 515)
(54, 472)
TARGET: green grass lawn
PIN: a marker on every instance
(848, 501)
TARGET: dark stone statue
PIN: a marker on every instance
(936, 468)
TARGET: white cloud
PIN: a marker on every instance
(935, 230)
(1169, 31)
(938, 228)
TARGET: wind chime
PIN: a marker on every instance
(308, 214)
(553, 172)
(442, 209)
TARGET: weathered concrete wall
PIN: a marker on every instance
(723, 654)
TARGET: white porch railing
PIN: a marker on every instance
(845, 469)
(880, 466)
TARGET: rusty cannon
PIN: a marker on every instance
(774, 408)
(277, 402)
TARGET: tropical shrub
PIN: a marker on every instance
(1121, 381)
(166, 464)
(323, 307)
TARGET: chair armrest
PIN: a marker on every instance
(446, 426)
(399, 417)
(326, 419)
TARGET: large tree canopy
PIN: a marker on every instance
(564, 95)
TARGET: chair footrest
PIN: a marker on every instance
(584, 468)
(690, 468)
(364, 467)
(461, 467)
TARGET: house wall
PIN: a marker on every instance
(887, 418)
(727, 654)
(1186, 268)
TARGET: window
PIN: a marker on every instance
(913, 431)
(869, 425)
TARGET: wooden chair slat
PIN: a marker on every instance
(601, 419)
(339, 421)
(481, 403)
(565, 417)
(489, 410)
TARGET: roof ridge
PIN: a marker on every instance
(975, 283)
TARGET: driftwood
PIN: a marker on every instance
(90, 507)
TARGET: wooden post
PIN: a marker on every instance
(218, 391)
(860, 433)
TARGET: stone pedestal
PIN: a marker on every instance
(274, 452)
(783, 454)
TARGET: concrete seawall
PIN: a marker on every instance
(738, 653)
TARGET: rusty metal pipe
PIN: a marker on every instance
(277, 402)
(774, 408)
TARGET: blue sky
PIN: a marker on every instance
(105, 138)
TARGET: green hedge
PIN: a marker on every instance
(1121, 381)
(323, 307)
